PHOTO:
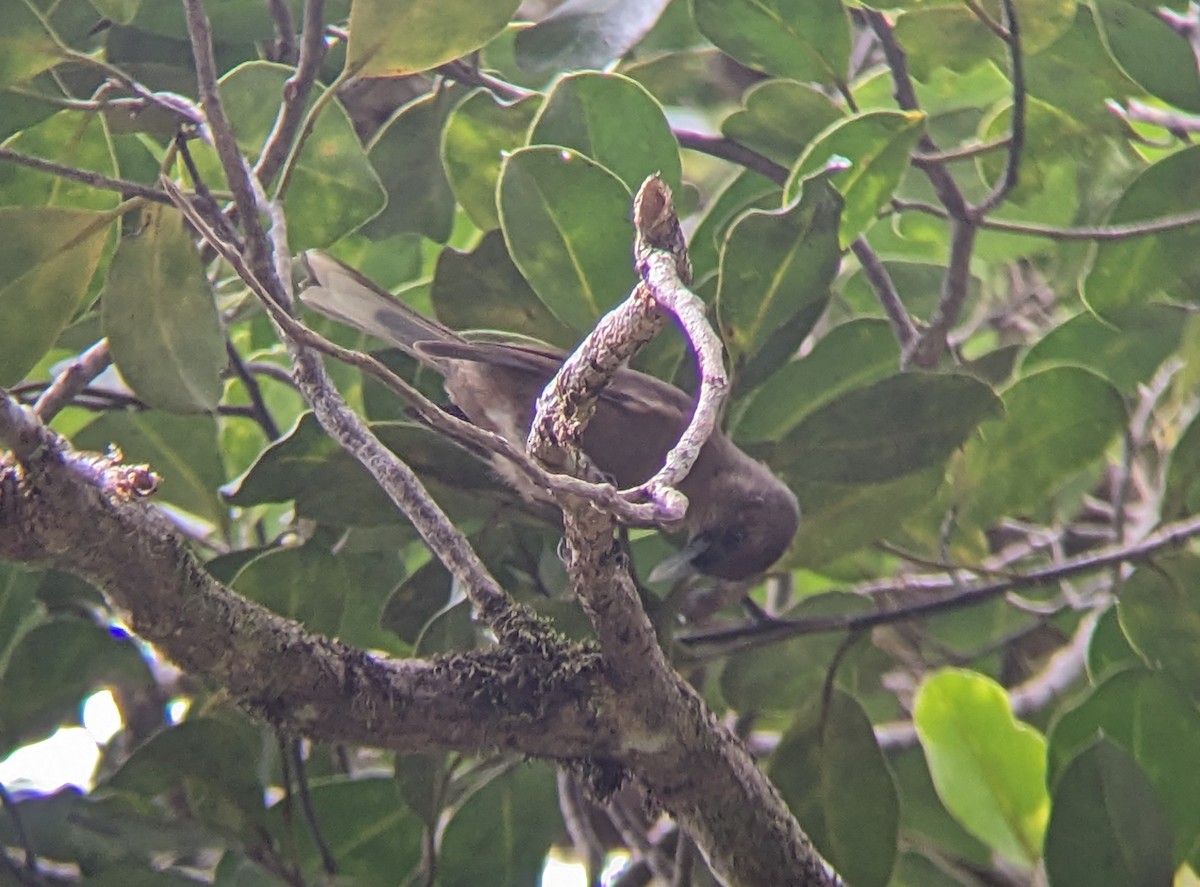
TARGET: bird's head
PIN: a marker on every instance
(739, 524)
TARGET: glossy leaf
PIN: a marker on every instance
(501, 833)
(778, 680)
(483, 290)
(828, 767)
(897, 426)
(801, 39)
(566, 222)
(585, 34)
(776, 266)
(333, 187)
(19, 608)
(944, 37)
(837, 519)
(1127, 273)
(853, 354)
(877, 145)
(1126, 357)
(746, 190)
(332, 595)
(65, 139)
(989, 768)
(1155, 722)
(52, 668)
(1057, 422)
(47, 258)
(780, 118)
(613, 121)
(386, 40)
(30, 39)
(1159, 608)
(1107, 828)
(1141, 43)
(365, 826)
(330, 486)
(211, 761)
(405, 155)
(478, 132)
(1182, 490)
(160, 317)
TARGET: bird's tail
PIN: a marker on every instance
(340, 292)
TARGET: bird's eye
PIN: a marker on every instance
(718, 544)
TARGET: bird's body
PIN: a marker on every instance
(740, 517)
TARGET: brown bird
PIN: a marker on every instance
(740, 517)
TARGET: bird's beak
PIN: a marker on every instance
(681, 564)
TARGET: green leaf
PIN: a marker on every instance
(837, 519)
(336, 596)
(477, 135)
(989, 769)
(1077, 74)
(801, 39)
(585, 34)
(47, 258)
(1181, 494)
(212, 761)
(331, 487)
(405, 153)
(500, 835)
(612, 120)
(1127, 273)
(1109, 650)
(828, 767)
(333, 187)
(181, 449)
(1150, 718)
(1051, 138)
(28, 43)
(366, 826)
(776, 268)
(950, 37)
(65, 138)
(746, 190)
(566, 221)
(1159, 606)
(1057, 422)
(775, 679)
(1126, 357)
(891, 428)
(160, 317)
(1107, 828)
(1149, 52)
(484, 290)
(391, 40)
(878, 145)
(853, 354)
(19, 607)
(779, 119)
(52, 668)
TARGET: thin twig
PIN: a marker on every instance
(734, 152)
(236, 170)
(18, 824)
(328, 863)
(966, 152)
(75, 377)
(1016, 143)
(296, 91)
(1099, 233)
(730, 639)
(87, 177)
(881, 283)
(261, 414)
